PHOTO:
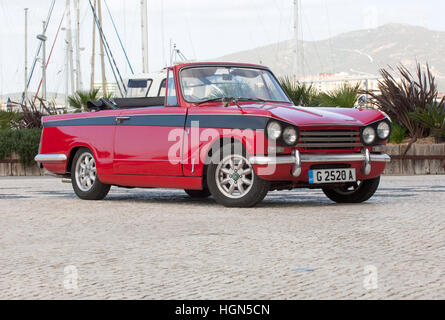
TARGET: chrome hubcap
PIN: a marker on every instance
(85, 172)
(234, 176)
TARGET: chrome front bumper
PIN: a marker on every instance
(49, 157)
(297, 159)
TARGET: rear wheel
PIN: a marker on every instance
(84, 178)
(232, 180)
(356, 193)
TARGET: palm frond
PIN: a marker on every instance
(346, 97)
(80, 98)
(301, 94)
(432, 117)
(398, 98)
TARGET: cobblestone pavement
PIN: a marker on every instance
(147, 244)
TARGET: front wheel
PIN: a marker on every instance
(84, 178)
(358, 192)
(233, 181)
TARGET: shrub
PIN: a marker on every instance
(398, 133)
(30, 119)
(24, 142)
(398, 98)
(29, 116)
(432, 117)
(301, 94)
(8, 142)
(8, 118)
(346, 97)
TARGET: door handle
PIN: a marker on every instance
(121, 119)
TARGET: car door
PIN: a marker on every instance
(149, 140)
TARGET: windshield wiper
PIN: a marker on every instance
(209, 100)
(226, 102)
(251, 99)
(229, 99)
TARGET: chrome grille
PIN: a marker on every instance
(329, 139)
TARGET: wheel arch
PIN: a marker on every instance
(215, 145)
(73, 152)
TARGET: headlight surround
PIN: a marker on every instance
(368, 135)
(274, 130)
(383, 130)
(290, 135)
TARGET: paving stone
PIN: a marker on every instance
(160, 244)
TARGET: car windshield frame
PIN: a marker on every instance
(233, 66)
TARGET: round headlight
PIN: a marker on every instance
(273, 130)
(383, 130)
(290, 135)
(368, 135)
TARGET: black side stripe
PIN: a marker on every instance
(148, 120)
(228, 121)
(155, 121)
(205, 121)
(94, 121)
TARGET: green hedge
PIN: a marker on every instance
(23, 142)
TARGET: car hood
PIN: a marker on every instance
(321, 116)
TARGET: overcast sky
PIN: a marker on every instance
(202, 29)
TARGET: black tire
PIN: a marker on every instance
(254, 193)
(363, 192)
(97, 190)
(198, 193)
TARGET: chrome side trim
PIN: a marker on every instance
(380, 158)
(49, 157)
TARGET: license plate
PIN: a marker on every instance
(332, 175)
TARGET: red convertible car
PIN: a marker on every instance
(222, 129)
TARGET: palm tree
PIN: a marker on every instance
(80, 98)
(300, 94)
(346, 97)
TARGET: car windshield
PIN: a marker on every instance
(201, 84)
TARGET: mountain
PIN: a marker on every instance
(360, 53)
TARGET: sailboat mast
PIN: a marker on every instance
(295, 44)
(164, 63)
(42, 37)
(93, 48)
(79, 83)
(25, 92)
(102, 61)
(144, 29)
(69, 42)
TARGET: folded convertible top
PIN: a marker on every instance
(125, 103)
